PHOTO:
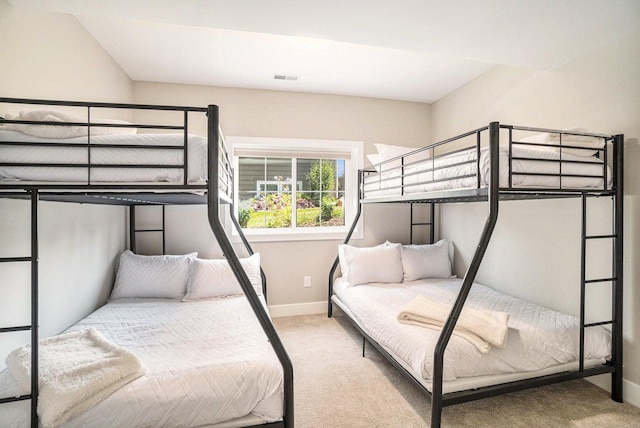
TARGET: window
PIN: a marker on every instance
(321, 204)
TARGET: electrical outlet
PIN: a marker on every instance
(307, 281)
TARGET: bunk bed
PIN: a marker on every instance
(391, 306)
(191, 340)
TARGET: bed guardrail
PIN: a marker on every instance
(535, 160)
(90, 165)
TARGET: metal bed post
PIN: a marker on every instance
(230, 254)
(447, 330)
(618, 182)
(346, 241)
(34, 308)
(132, 228)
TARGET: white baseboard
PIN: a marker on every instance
(298, 309)
(631, 393)
(630, 390)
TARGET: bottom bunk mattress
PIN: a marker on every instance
(539, 341)
(207, 362)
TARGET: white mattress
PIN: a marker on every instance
(540, 340)
(207, 362)
(419, 178)
(197, 159)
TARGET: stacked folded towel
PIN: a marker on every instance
(482, 328)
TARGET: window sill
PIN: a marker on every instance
(313, 234)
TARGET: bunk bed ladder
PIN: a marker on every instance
(33, 327)
(133, 229)
(615, 279)
(414, 223)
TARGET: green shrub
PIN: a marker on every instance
(244, 214)
(326, 208)
(280, 218)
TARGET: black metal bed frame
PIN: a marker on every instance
(218, 190)
(494, 193)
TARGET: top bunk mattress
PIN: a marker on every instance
(114, 159)
(526, 168)
(207, 362)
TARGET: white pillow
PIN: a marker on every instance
(152, 276)
(55, 131)
(374, 159)
(214, 278)
(382, 263)
(553, 139)
(426, 261)
(387, 151)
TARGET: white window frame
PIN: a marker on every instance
(279, 185)
(290, 147)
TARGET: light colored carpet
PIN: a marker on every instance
(336, 387)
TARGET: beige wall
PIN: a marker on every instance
(51, 56)
(256, 113)
(536, 250)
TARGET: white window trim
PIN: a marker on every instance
(354, 149)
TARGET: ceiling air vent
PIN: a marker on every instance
(285, 77)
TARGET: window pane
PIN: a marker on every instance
(264, 192)
(340, 174)
(317, 203)
(250, 172)
(278, 169)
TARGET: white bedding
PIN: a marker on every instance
(419, 177)
(207, 362)
(539, 339)
(197, 159)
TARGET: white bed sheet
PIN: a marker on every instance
(418, 178)
(207, 362)
(197, 159)
(539, 338)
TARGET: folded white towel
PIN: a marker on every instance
(55, 131)
(76, 371)
(481, 328)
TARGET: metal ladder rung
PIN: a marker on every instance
(15, 259)
(601, 237)
(149, 230)
(12, 399)
(595, 324)
(591, 281)
(16, 328)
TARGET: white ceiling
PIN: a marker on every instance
(414, 50)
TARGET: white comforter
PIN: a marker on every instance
(419, 177)
(207, 361)
(538, 337)
(197, 158)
